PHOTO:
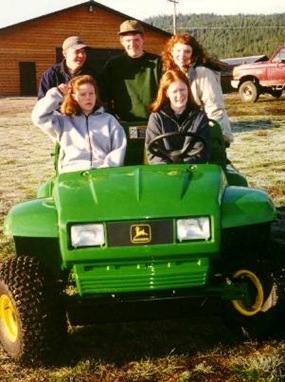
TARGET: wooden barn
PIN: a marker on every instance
(28, 48)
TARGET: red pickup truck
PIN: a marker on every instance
(257, 78)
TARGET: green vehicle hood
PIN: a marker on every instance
(140, 192)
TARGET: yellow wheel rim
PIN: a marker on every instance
(8, 318)
(257, 303)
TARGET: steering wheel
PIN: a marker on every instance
(191, 147)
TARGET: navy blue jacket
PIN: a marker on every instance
(58, 74)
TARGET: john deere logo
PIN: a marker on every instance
(140, 233)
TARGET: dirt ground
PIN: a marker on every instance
(16, 104)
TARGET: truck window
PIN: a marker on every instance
(280, 56)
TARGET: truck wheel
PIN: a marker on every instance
(258, 315)
(31, 320)
(249, 91)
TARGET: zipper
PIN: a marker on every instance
(89, 140)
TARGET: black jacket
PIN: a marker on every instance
(164, 121)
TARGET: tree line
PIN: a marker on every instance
(229, 36)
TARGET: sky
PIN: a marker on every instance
(21, 10)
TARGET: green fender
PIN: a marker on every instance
(35, 218)
(246, 206)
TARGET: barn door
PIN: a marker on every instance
(27, 78)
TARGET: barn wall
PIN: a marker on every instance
(36, 40)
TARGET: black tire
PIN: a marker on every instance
(249, 91)
(258, 317)
(32, 323)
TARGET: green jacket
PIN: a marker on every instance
(128, 85)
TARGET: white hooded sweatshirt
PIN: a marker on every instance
(207, 92)
(93, 141)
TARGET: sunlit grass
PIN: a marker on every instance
(258, 152)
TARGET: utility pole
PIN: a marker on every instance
(174, 14)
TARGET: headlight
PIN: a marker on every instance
(87, 235)
(193, 229)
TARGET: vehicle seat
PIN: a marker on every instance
(218, 148)
(135, 132)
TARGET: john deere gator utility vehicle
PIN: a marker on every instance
(136, 242)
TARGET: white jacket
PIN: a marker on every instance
(93, 141)
(207, 92)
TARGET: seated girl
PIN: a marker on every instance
(177, 130)
(88, 136)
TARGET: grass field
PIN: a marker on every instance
(196, 349)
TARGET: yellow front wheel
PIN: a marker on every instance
(8, 318)
(253, 305)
